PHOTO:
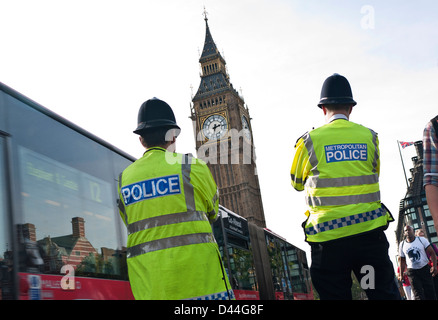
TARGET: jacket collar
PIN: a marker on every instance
(337, 117)
(154, 148)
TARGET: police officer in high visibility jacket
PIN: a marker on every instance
(167, 202)
(338, 166)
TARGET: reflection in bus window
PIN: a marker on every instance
(232, 236)
(54, 193)
(296, 271)
(5, 250)
(275, 250)
(69, 219)
(242, 269)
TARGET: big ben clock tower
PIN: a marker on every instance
(224, 137)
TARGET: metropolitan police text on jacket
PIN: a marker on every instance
(346, 152)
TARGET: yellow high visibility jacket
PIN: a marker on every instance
(167, 201)
(338, 166)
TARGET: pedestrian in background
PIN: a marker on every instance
(412, 254)
(167, 201)
(406, 284)
(338, 166)
(430, 167)
(420, 233)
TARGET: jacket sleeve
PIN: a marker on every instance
(300, 166)
(212, 214)
(430, 154)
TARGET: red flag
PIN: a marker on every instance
(405, 144)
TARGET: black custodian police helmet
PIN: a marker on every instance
(155, 113)
(336, 90)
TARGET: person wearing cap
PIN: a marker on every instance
(167, 201)
(338, 166)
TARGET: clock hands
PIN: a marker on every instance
(215, 127)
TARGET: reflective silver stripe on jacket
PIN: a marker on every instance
(308, 143)
(215, 197)
(212, 213)
(297, 180)
(343, 200)
(166, 220)
(376, 151)
(346, 221)
(189, 191)
(171, 242)
(315, 182)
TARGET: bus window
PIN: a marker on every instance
(232, 236)
(279, 276)
(242, 269)
(5, 249)
(65, 192)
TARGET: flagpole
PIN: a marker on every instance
(403, 164)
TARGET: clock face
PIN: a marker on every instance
(215, 127)
(245, 127)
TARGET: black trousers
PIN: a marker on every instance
(366, 255)
(422, 283)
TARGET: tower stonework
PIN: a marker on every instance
(224, 137)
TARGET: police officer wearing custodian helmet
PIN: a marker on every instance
(167, 201)
(338, 166)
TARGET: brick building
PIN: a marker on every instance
(70, 249)
(413, 209)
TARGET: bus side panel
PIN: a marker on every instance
(246, 295)
(50, 287)
(303, 296)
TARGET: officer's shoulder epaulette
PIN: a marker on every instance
(374, 132)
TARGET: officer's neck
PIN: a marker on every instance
(170, 146)
(331, 115)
